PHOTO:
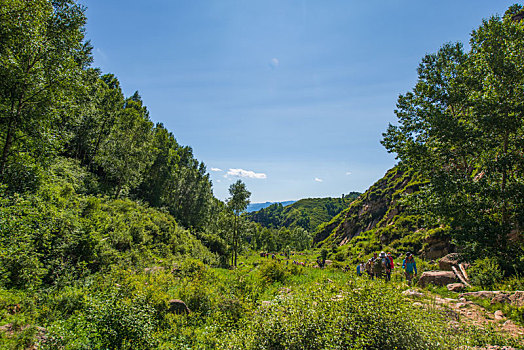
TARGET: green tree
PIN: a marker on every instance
(42, 57)
(461, 127)
(237, 203)
(125, 154)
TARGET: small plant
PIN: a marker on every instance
(485, 272)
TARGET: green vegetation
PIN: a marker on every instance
(107, 223)
(381, 219)
(461, 128)
(305, 213)
(263, 304)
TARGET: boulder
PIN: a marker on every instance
(517, 299)
(456, 287)
(178, 307)
(499, 315)
(446, 262)
(438, 278)
(501, 298)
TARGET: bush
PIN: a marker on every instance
(361, 315)
(273, 271)
(485, 272)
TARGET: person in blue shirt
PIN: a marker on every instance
(360, 268)
(410, 267)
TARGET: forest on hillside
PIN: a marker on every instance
(111, 237)
(306, 213)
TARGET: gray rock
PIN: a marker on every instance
(517, 299)
(501, 298)
(499, 315)
(438, 278)
(446, 262)
(178, 307)
(456, 287)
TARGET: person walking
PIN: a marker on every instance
(360, 268)
(369, 268)
(410, 267)
(381, 266)
(390, 267)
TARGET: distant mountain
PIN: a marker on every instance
(257, 206)
(306, 213)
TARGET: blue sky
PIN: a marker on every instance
(290, 96)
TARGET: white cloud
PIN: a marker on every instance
(245, 173)
(274, 63)
(349, 173)
(318, 180)
(216, 169)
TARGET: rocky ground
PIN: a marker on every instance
(462, 311)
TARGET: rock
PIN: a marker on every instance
(178, 307)
(436, 247)
(448, 261)
(460, 305)
(484, 294)
(412, 293)
(456, 287)
(438, 278)
(517, 299)
(328, 262)
(417, 304)
(499, 315)
(501, 298)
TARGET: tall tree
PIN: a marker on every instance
(462, 128)
(125, 153)
(42, 55)
(237, 203)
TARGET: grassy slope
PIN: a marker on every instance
(377, 221)
(306, 213)
(263, 305)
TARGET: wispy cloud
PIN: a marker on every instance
(216, 169)
(274, 63)
(245, 173)
(318, 180)
(349, 173)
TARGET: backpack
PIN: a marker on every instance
(386, 262)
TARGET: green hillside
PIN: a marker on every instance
(305, 213)
(378, 220)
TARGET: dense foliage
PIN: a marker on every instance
(305, 213)
(106, 221)
(462, 128)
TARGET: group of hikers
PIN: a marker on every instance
(380, 266)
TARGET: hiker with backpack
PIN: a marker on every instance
(410, 267)
(369, 268)
(381, 266)
(391, 266)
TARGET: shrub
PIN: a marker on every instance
(361, 315)
(485, 272)
(273, 271)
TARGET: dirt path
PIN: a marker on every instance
(465, 311)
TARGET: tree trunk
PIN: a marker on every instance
(7, 146)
